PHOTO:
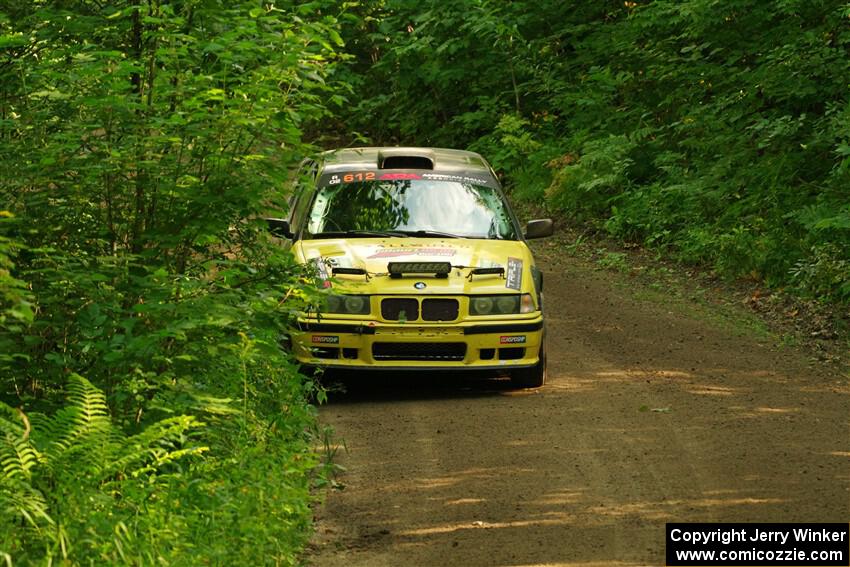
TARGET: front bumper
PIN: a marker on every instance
(479, 345)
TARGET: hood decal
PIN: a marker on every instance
(373, 255)
(322, 272)
(513, 279)
(391, 252)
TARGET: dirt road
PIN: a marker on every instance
(650, 415)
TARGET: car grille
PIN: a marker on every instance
(419, 351)
(392, 308)
(439, 309)
(432, 309)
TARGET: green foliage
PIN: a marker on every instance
(512, 147)
(592, 183)
(16, 308)
(146, 140)
(52, 469)
(668, 123)
(15, 300)
(612, 260)
(142, 138)
(75, 487)
(824, 272)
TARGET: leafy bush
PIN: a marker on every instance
(589, 186)
(824, 272)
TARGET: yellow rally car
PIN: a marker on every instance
(426, 265)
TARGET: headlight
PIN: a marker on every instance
(334, 303)
(507, 304)
(354, 304)
(348, 304)
(481, 306)
(501, 304)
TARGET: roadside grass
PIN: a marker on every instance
(648, 278)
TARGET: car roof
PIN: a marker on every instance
(442, 160)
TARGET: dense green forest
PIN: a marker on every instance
(149, 414)
(715, 131)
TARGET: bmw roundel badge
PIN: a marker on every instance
(420, 285)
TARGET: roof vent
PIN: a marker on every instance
(407, 162)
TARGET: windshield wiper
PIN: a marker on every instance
(355, 233)
(427, 233)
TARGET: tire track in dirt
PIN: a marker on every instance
(650, 415)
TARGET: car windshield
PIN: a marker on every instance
(416, 207)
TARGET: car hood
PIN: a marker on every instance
(373, 255)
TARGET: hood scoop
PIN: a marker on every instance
(389, 159)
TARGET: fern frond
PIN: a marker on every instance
(83, 421)
(167, 430)
(10, 421)
(17, 456)
(158, 444)
(163, 458)
(17, 453)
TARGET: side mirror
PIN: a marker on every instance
(539, 228)
(279, 227)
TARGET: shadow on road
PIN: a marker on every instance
(346, 387)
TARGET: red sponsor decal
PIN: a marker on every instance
(396, 176)
(325, 339)
(512, 340)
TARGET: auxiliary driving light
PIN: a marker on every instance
(439, 269)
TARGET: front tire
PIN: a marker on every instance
(532, 377)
